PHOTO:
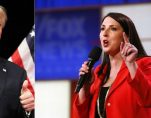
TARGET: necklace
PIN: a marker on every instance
(102, 96)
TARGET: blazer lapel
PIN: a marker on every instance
(120, 78)
(3, 73)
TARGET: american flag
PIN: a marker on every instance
(24, 57)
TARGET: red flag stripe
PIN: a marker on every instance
(17, 59)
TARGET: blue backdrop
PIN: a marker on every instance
(72, 3)
(63, 41)
(64, 38)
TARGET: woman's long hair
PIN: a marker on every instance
(130, 30)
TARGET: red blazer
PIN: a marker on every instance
(127, 98)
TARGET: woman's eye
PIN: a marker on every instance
(113, 29)
(102, 28)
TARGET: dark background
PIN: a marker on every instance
(20, 21)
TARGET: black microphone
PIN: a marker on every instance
(93, 57)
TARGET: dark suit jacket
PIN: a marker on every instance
(11, 80)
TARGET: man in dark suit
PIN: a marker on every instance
(16, 101)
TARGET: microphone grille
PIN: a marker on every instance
(95, 53)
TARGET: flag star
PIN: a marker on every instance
(32, 34)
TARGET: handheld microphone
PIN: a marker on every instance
(93, 57)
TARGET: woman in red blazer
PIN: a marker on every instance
(121, 86)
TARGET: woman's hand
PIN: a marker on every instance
(128, 51)
(85, 70)
(85, 90)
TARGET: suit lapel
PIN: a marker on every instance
(3, 73)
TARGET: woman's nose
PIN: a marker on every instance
(105, 32)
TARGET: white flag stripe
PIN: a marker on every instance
(28, 63)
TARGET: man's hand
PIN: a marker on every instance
(27, 99)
